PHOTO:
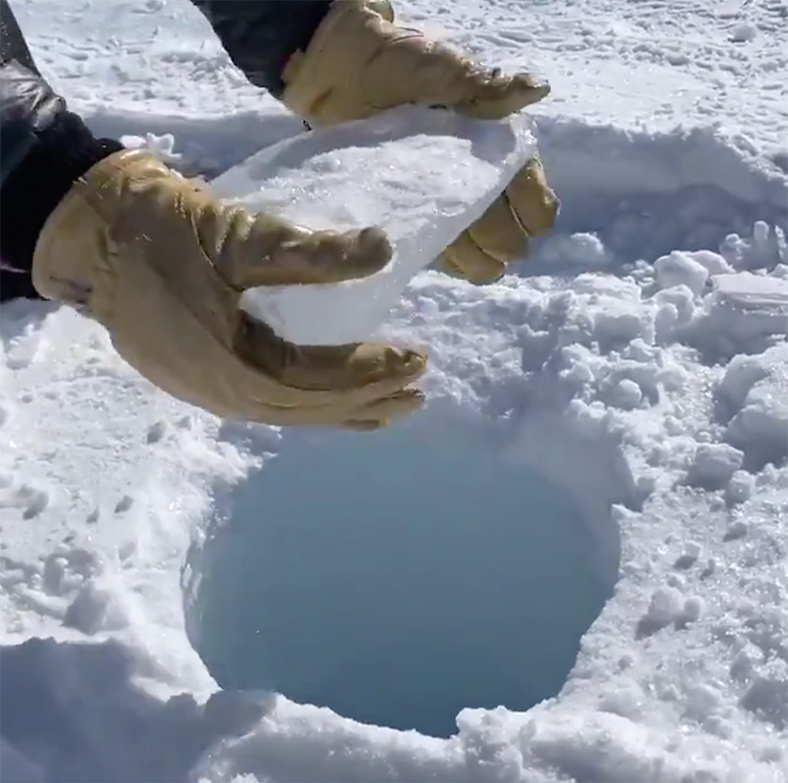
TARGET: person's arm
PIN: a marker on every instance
(162, 264)
(261, 35)
(45, 149)
(332, 61)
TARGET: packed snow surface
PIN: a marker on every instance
(637, 366)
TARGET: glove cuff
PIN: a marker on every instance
(70, 260)
(323, 83)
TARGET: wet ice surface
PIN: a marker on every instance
(398, 578)
(362, 174)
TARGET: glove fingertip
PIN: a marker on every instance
(368, 252)
(501, 97)
(530, 89)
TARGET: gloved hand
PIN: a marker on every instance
(162, 264)
(359, 63)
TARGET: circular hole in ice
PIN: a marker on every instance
(397, 577)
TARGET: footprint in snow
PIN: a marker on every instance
(32, 501)
(156, 432)
(124, 504)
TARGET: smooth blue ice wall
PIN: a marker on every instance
(398, 577)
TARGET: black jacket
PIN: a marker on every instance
(45, 147)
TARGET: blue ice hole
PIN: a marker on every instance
(397, 577)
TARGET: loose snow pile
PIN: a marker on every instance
(638, 365)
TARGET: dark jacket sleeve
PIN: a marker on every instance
(260, 35)
(27, 105)
(45, 148)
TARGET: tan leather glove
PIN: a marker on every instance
(162, 264)
(359, 63)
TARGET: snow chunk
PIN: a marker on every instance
(582, 249)
(741, 374)
(743, 32)
(744, 313)
(756, 391)
(767, 698)
(680, 296)
(736, 529)
(666, 606)
(714, 465)
(163, 147)
(740, 487)
(681, 269)
(713, 262)
(423, 175)
(761, 427)
(765, 249)
(752, 291)
(626, 394)
(689, 557)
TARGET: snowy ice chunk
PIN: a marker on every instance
(781, 271)
(665, 321)
(741, 374)
(767, 698)
(765, 249)
(689, 557)
(714, 465)
(681, 298)
(626, 394)
(163, 147)
(692, 550)
(744, 313)
(740, 487)
(582, 249)
(681, 269)
(628, 701)
(743, 32)
(736, 529)
(714, 263)
(423, 175)
(752, 290)
(755, 389)
(761, 427)
(666, 604)
(619, 322)
(640, 351)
